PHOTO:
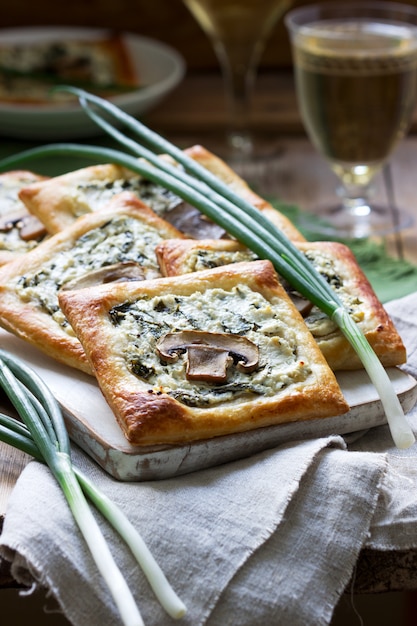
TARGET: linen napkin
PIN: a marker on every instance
(273, 538)
(240, 542)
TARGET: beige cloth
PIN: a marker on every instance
(270, 539)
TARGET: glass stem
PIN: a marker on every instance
(356, 200)
(239, 79)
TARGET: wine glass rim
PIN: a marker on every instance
(301, 17)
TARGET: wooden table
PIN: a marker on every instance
(288, 167)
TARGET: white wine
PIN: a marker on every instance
(357, 89)
(238, 26)
(238, 30)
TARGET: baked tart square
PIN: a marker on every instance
(336, 262)
(116, 243)
(211, 353)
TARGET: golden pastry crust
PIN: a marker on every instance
(19, 230)
(338, 264)
(122, 325)
(126, 232)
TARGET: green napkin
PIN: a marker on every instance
(390, 277)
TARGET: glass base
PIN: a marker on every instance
(339, 222)
(240, 144)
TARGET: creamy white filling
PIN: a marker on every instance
(318, 323)
(121, 239)
(9, 189)
(241, 311)
(93, 196)
(10, 241)
(207, 259)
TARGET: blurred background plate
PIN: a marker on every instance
(159, 67)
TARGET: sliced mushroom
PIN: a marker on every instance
(209, 354)
(11, 218)
(119, 272)
(302, 305)
(207, 363)
(28, 225)
(194, 224)
(31, 228)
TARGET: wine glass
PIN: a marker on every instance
(238, 30)
(355, 68)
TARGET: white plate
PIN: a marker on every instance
(160, 68)
(92, 425)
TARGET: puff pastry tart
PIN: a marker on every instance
(59, 201)
(201, 355)
(337, 264)
(117, 243)
(19, 230)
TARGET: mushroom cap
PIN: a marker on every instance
(118, 272)
(209, 354)
(29, 226)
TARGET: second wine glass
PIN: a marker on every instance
(238, 30)
(356, 78)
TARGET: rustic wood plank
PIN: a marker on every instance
(198, 105)
(196, 110)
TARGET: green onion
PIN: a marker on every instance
(239, 218)
(401, 432)
(239, 224)
(43, 435)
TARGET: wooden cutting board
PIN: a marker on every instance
(92, 425)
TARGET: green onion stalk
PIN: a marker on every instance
(196, 185)
(42, 434)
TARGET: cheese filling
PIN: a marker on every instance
(318, 323)
(207, 259)
(121, 239)
(93, 196)
(240, 311)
